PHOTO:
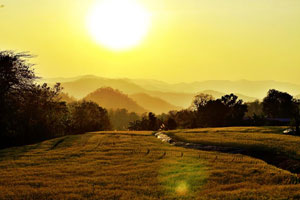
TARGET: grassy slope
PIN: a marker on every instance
(135, 165)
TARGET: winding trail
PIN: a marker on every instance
(279, 160)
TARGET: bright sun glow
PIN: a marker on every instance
(118, 24)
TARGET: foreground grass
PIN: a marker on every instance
(135, 165)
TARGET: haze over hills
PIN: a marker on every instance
(255, 89)
(110, 98)
(80, 87)
(180, 94)
(154, 104)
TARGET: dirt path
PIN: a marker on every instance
(279, 160)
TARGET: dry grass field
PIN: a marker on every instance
(136, 165)
(256, 138)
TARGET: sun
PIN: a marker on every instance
(118, 24)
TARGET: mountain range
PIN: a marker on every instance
(254, 89)
(159, 96)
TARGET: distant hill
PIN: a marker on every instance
(79, 87)
(112, 99)
(154, 104)
(180, 94)
(257, 89)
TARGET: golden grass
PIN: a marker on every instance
(135, 165)
(265, 138)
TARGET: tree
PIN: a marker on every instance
(278, 104)
(88, 117)
(296, 115)
(200, 101)
(153, 122)
(41, 115)
(236, 109)
(16, 78)
(199, 104)
(31, 113)
(28, 112)
(214, 114)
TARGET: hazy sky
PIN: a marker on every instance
(189, 40)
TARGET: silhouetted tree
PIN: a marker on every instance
(296, 115)
(200, 101)
(278, 104)
(214, 114)
(221, 112)
(30, 113)
(87, 117)
(236, 109)
(153, 123)
(16, 79)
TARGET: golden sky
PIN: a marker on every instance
(188, 40)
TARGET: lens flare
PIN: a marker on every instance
(182, 188)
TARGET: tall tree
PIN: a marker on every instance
(28, 112)
(236, 109)
(16, 78)
(278, 104)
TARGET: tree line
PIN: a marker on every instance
(30, 112)
(277, 108)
